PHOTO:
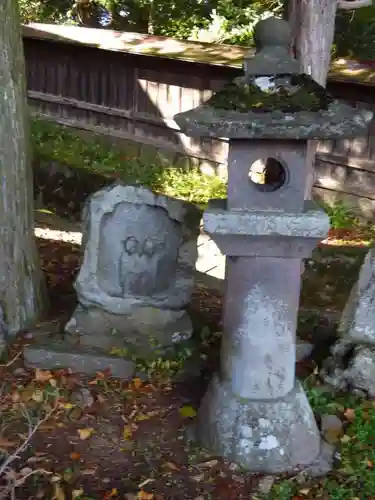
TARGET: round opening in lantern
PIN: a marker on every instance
(268, 174)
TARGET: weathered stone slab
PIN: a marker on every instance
(58, 355)
(263, 436)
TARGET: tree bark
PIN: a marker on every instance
(22, 297)
(313, 26)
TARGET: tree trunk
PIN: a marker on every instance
(21, 285)
(313, 26)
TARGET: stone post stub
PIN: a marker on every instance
(255, 412)
(137, 273)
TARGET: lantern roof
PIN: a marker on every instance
(273, 99)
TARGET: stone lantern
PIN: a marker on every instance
(255, 412)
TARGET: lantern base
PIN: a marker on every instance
(262, 436)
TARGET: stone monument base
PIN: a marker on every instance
(266, 436)
(53, 348)
(56, 353)
(142, 329)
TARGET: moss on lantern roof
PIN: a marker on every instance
(273, 99)
(302, 94)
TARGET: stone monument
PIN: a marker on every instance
(255, 412)
(352, 364)
(137, 274)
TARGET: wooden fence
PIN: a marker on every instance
(129, 86)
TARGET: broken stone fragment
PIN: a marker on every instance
(352, 362)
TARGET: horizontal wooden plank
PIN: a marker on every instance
(105, 110)
(363, 207)
(349, 161)
(214, 54)
(139, 44)
(345, 179)
(120, 134)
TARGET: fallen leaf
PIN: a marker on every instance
(16, 397)
(332, 436)
(305, 491)
(128, 430)
(198, 478)
(77, 493)
(101, 399)
(47, 427)
(111, 494)
(56, 478)
(146, 416)
(209, 464)
(187, 412)
(171, 466)
(137, 383)
(75, 456)
(5, 443)
(89, 472)
(67, 406)
(349, 414)
(146, 481)
(58, 494)
(38, 396)
(143, 495)
(43, 375)
(75, 413)
(225, 489)
(345, 438)
(86, 432)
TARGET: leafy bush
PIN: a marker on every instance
(355, 34)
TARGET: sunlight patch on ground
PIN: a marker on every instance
(76, 238)
(52, 234)
(346, 243)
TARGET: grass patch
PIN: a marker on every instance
(52, 142)
(354, 476)
(342, 218)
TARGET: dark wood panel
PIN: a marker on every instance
(135, 97)
(345, 179)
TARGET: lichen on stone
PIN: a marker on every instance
(285, 93)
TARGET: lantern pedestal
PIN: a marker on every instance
(268, 436)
